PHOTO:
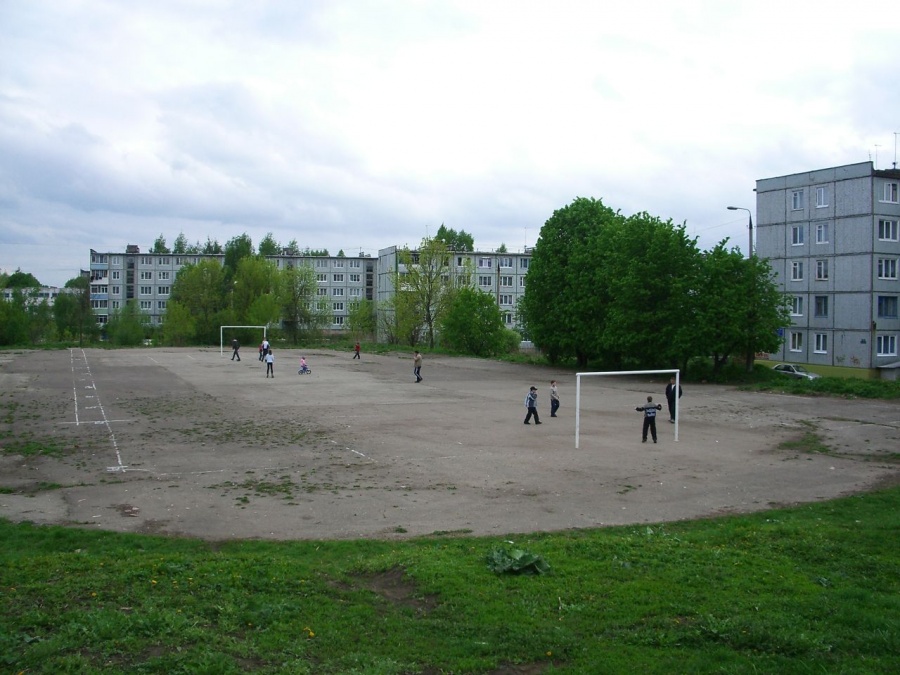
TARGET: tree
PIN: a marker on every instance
(159, 246)
(212, 247)
(254, 278)
(649, 269)
(181, 244)
(502, 248)
(126, 326)
(455, 241)
(268, 246)
(179, 327)
(301, 315)
(293, 248)
(361, 319)
(426, 283)
(20, 279)
(564, 303)
(473, 324)
(236, 249)
(14, 320)
(199, 288)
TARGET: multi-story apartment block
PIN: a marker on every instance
(147, 278)
(832, 236)
(500, 274)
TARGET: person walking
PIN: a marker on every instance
(649, 409)
(554, 398)
(235, 349)
(417, 366)
(531, 405)
(356, 351)
(270, 363)
(670, 398)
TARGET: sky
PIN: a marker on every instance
(353, 125)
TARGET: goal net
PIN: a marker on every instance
(222, 330)
(674, 372)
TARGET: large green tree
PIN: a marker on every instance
(159, 246)
(126, 325)
(564, 306)
(20, 279)
(199, 288)
(268, 246)
(237, 249)
(455, 241)
(425, 283)
(361, 319)
(302, 316)
(473, 324)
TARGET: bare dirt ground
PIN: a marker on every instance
(188, 442)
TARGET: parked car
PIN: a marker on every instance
(792, 370)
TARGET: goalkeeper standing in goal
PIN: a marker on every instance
(649, 409)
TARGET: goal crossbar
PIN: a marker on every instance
(578, 376)
(222, 335)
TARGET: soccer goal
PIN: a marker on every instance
(578, 376)
(222, 335)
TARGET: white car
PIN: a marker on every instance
(798, 372)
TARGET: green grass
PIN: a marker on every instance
(812, 589)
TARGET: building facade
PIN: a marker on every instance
(147, 278)
(832, 237)
(502, 275)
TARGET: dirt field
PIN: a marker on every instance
(188, 442)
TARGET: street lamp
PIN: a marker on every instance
(749, 227)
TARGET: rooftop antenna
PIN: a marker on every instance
(895, 148)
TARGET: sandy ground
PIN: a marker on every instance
(188, 442)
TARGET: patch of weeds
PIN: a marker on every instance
(809, 442)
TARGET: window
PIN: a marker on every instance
(523, 263)
(338, 278)
(321, 291)
(506, 299)
(337, 307)
(116, 275)
(355, 278)
(355, 292)
(797, 305)
(114, 304)
(891, 193)
(116, 290)
(887, 268)
(886, 345)
(887, 306)
(821, 310)
(354, 263)
(821, 270)
(796, 342)
(506, 281)
(322, 278)
(338, 321)
(521, 282)
(797, 235)
(164, 276)
(887, 230)
(146, 305)
(146, 290)
(821, 343)
(146, 276)
(162, 290)
(161, 304)
(484, 282)
(797, 200)
(821, 197)
(822, 233)
(505, 262)
(337, 292)
(797, 271)
(507, 318)
(339, 263)
(321, 262)
(484, 263)
(146, 260)
(160, 261)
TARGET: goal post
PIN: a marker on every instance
(222, 335)
(578, 376)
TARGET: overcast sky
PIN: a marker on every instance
(356, 124)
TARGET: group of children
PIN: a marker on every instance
(649, 409)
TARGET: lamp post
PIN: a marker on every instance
(749, 226)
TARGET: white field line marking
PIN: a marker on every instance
(105, 421)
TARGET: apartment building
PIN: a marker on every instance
(832, 236)
(500, 274)
(147, 278)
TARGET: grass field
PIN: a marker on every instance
(814, 589)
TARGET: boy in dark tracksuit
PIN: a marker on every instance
(649, 410)
(531, 406)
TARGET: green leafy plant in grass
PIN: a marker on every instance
(516, 561)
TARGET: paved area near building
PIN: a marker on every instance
(188, 442)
